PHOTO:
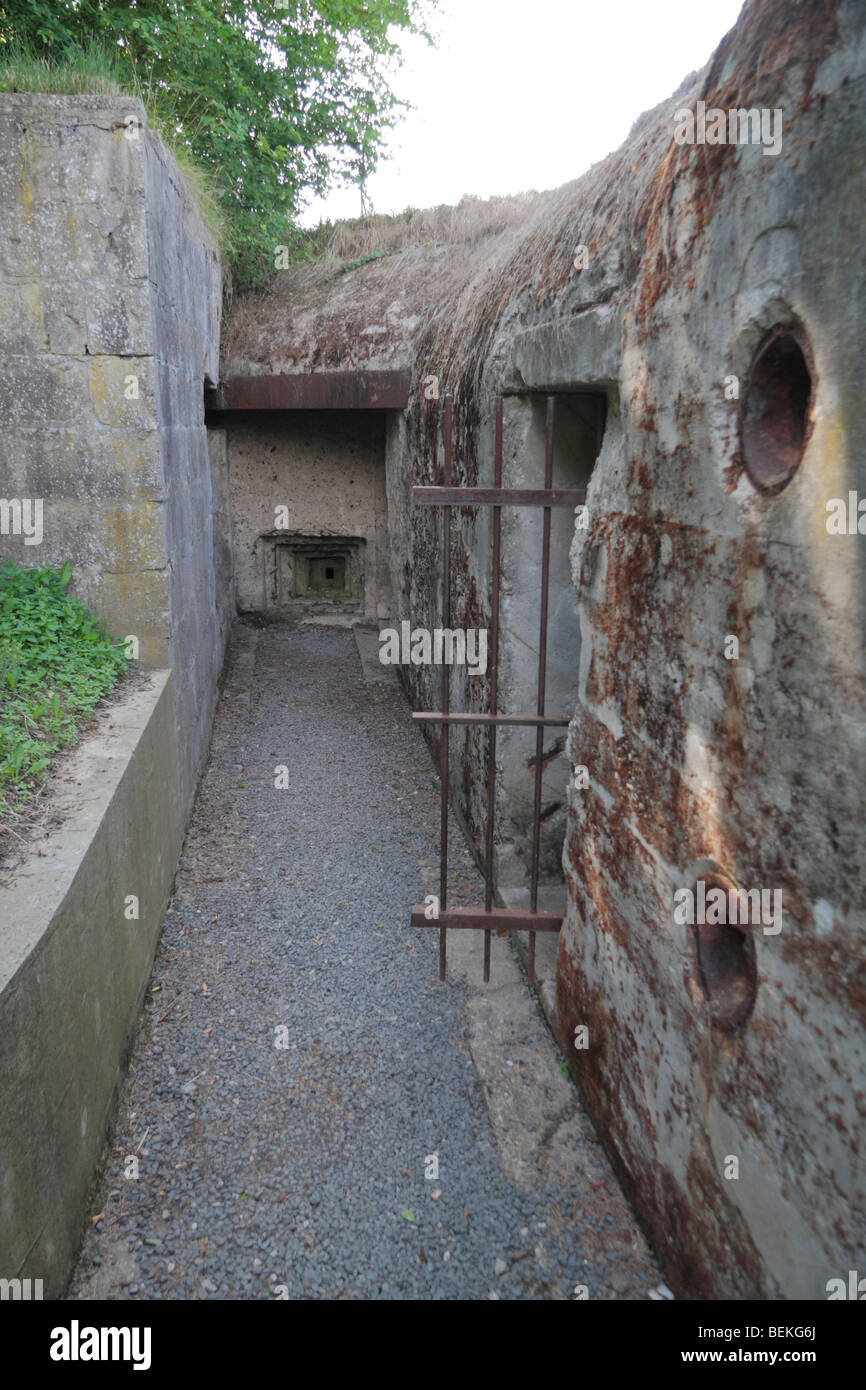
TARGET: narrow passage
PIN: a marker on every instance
(301, 1076)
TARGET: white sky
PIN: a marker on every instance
(526, 94)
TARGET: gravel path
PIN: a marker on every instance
(299, 1061)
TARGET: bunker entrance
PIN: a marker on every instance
(578, 423)
(530, 577)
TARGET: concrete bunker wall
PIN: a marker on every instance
(310, 523)
(749, 766)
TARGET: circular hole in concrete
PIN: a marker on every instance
(775, 408)
(727, 968)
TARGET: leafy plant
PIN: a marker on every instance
(56, 663)
(279, 98)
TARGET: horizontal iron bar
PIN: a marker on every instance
(498, 496)
(549, 721)
(500, 920)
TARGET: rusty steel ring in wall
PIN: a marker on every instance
(775, 413)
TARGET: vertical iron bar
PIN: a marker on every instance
(444, 737)
(542, 680)
(494, 685)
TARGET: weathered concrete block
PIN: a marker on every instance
(133, 603)
(97, 466)
(121, 536)
(38, 390)
(123, 392)
(42, 318)
(119, 320)
(77, 148)
(105, 437)
(22, 327)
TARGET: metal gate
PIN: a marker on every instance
(489, 919)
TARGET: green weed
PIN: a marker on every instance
(56, 663)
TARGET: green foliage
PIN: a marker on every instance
(279, 98)
(362, 260)
(55, 665)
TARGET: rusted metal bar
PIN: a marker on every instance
(494, 686)
(500, 920)
(353, 390)
(548, 721)
(542, 682)
(498, 496)
(446, 692)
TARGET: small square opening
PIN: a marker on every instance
(326, 574)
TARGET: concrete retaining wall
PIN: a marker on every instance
(73, 970)
(110, 295)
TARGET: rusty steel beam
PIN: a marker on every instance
(444, 752)
(500, 920)
(494, 686)
(498, 496)
(356, 390)
(548, 721)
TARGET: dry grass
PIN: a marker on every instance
(472, 220)
(352, 275)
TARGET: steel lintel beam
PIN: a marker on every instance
(356, 390)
